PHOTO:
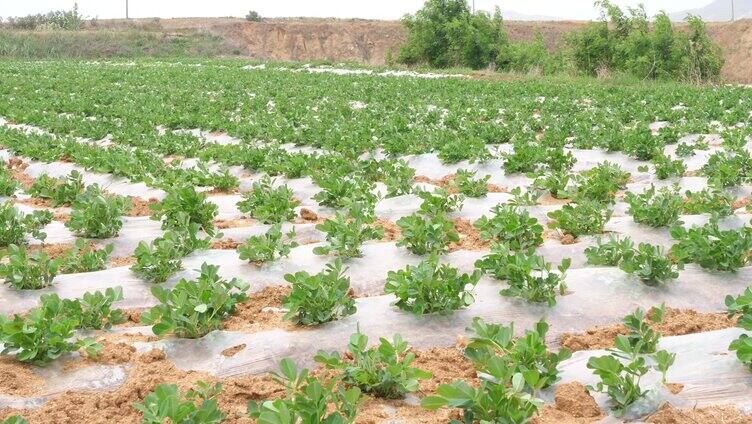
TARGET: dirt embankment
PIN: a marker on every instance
(373, 42)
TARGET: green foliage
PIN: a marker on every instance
(529, 276)
(708, 200)
(659, 208)
(84, 258)
(8, 185)
(580, 219)
(529, 157)
(15, 226)
(621, 371)
(647, 262)
(457, 150)
(340, 191)
(728, 169)
(57, 19)
(741, 307)
(25, 271)
(60, 191)
(44, 333)
(465, 183)
(630, 43)
(94, 310)
(267, 247)
(650, 264)
(511, 226)
(192, 309)
(196, 406)
(347, 232)
(641, 337)
(426, 234)
(711, 247)
(665, 167)
(307, 400)
(15, 419)
(439, 202)
(431, 288)
(316, 299)
(253, 16)
(609, 253)
(511, 370)
(382, 371)
(96, 215)
(445, 33)
(184, 202)
(554, 182)
(156, 261)
(527, 355)
(528, 197)
(269, 204)
(600, 183)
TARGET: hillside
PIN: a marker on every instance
(305, 39)
(719, 11)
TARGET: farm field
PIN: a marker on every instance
(544, 250)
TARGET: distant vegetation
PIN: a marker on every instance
(253, 16)
(445, 33)
(59, 19)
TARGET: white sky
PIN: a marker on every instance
(370, 9)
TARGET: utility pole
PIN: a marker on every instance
(732, 11)
(126, 9)
(473, 7)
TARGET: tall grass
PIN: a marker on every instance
(110, 44)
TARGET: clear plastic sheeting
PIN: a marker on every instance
(58, 380)
(711, 375)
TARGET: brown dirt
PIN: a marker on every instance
(232, 351)
(723, 414)
(740, 203)
(675, 388)
(446, 364)
(495, 188)
(254, 314)
(225, 244)
(391, 231)
(18, 174)
(52, 250)
(567, 239)
(18, 379)
(89, 407)
(676, 322)
(124, 261)
(469, 236)
(140, 207)
(573, 405)
(308, 215)
(35, 201)
(223, 224)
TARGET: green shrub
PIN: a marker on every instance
(192, 309)
(429, 287)
(60, 191)
(44, 333)
(655, 208)
(511, 226)
(166, 404)
(96, 215)
(383, 371)
(581, 219)
(307, 400)
(15, 226)
(712, 248)
(426, 234)
(316, 299)
(28, 272)
(269, 204)
(184, 202)
(267, 247)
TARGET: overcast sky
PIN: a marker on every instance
(368, 9)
